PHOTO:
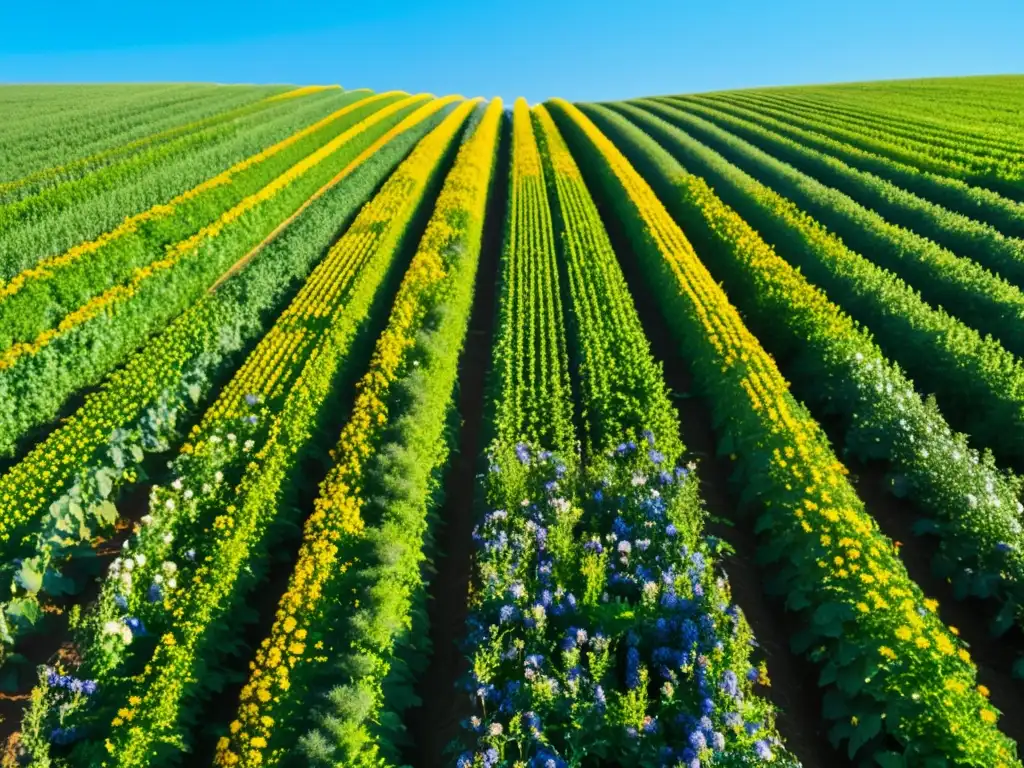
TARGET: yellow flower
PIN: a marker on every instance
(904, 633)
(887, 652)
(983, 691)
(988, 716)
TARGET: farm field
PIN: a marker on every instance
(346, 428)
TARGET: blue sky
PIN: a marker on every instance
(534, 48)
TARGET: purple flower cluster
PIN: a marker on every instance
(653, 621)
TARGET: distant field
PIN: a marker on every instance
(342, 428)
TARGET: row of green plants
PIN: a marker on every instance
(40, 124)
(232, 107)
(961, 495)
(156, 641)
(898, 686)
(1004, 177)
(978, 383)
(947, 133)
(599, 629)
(945, 142)
(961, 286)
(65, 492)
(348, 632)
(979, 203)
(955, 231)
(37, 298)
(36, 379)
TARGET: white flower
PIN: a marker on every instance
(126, 634)
(146, 520)
(206, 488)
(126, 581)
(859, 356)
(218, 476)
(231, 437)
(924, 453)
(158, 578)
(113, 627)
(169, 567)
(248, 445)
(168, 537)
(140, 559)
(639, 479)
(129, 565)
(215, 439)
(126, 545)
(972, 499)
(188, 494)
(176, 485)
(169, 504)
(172, 583)
(956, 455)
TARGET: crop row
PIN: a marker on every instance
(358, 579)
(1004, 178)
(42, 226)
(79, 470)
(53, 128)
(968, 503)
(959, 233)
(35, 378)
(201, 548)
(593, 585)
(964, 288)
(865, 624)
(979, 384)
(990, 207)
(197, 127)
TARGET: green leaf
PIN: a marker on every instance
(105, 482)
(30, 576)
(866, 729)
(25, 608)
(105, 512)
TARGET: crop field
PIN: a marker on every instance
(343, 428)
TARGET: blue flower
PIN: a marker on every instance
(753, 675)
(730, 683)
(121, 602)
(707, 706)
(763, 750)
(697, 740)
(465, 761)
(733, 719)
(656, 456)
(89, 687)
(507, 613)
(253, 418)
(598, 496)
(599, 699)
(251, 399)
(155, 593)
(1002, 546)
(633, 668)
(664, 477)
(650, 724)
(135, 625)
(522, 453)
(491, 758)
(671, 530)
(530, 720)
(718, 741)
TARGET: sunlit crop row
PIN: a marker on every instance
(211, 523)
(885, 650)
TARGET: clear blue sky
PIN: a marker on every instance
(535, 48)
